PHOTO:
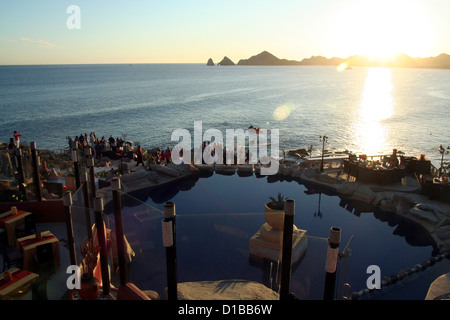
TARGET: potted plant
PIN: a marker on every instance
(89, 285)
(274, 212)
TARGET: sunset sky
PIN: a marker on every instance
(180, 31)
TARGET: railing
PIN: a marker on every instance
(27, 175)
(216, 248)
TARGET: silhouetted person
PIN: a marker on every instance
(139, 156)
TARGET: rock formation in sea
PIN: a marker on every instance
(266, 59)
(226, 62)
(210, 62)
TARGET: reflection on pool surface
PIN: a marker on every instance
(217, 216)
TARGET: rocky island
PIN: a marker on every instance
(226, 62)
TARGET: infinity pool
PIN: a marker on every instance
(217, 216)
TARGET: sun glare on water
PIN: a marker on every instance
(376, 105)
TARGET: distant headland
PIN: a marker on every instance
(402, 60)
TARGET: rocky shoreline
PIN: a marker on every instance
(405, 201)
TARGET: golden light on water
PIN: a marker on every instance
(282, 112)
(377, 105)
(342, 66)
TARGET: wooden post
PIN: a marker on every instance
(36, 177)
(169, 241)
(331, 262)
(101, 234)
(75, 164)
(87, 204)
(21, 177)
(117, 201)
(67, 201)
(286, 258)
(87, 153)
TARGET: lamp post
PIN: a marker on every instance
(443, 151)
(323, 139)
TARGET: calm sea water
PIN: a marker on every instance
(365, 110)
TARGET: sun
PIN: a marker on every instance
(382, 29)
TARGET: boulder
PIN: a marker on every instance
(153, 176)
(224, 290)
(245, 168)
(133, 177)
(407, 199)
(426, 215)
(430, 207)
(165, 170)
(287, 171)
(346, 188)
(401, 207)
(443, 233)
(210, 62)
(298, 153)
(363, 194)
(183, 168)
(387, 205)
(379, 197)
(443, 222)
(445, 246)
(309, 173)
(296, 173)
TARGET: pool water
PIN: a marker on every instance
(217, 215)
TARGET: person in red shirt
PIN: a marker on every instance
(17, 139)
(139, 156)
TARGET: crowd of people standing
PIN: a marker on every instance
(113, 148)
(98, 145)
(116, 148)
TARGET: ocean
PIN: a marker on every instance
(364, 110)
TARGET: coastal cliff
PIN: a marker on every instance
(266, 59)
(402, 60)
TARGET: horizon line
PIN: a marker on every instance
(140, 63)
